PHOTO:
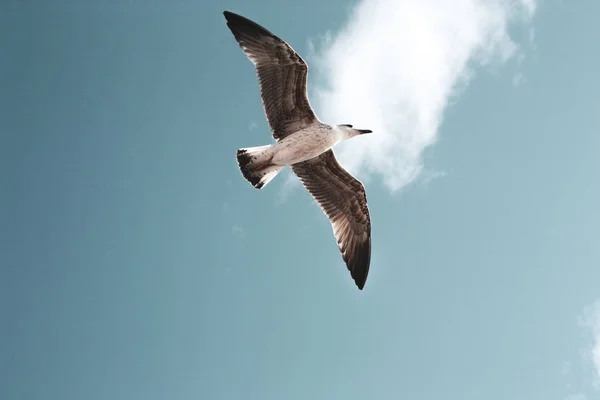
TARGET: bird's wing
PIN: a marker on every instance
(281, 74)
(344, 201)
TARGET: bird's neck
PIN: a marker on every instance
(341, 133)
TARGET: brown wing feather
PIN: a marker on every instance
(281, 74)
(344, 201)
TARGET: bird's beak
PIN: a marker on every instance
(363, 131)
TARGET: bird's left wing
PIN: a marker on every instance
(344, 201)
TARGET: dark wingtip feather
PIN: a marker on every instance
(239, 24)
(360, 268)
(229, 15)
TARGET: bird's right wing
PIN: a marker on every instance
(281, 74)
(344, 201)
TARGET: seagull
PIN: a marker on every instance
(303, 143)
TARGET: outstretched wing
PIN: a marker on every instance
(344, 201)
(281, 74)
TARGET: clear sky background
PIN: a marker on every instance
(137, 263)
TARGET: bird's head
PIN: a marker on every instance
(349, 131)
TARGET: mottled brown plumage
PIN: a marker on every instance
(281, 75)
(344, 201)
(304, 143)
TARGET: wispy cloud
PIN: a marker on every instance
(566, 368)
(591, 320)
(394, 68)
(519, 79)
(237, 230)
(583, 379)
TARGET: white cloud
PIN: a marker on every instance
(591, 320)
(395, 67)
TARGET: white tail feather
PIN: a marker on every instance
(255, 165)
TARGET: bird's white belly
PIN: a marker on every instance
(302, 146)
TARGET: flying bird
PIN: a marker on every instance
(303, 143)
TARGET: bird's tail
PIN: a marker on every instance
(255, 164)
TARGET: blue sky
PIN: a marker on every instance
(137, 263)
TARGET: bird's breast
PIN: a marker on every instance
(302, 146)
